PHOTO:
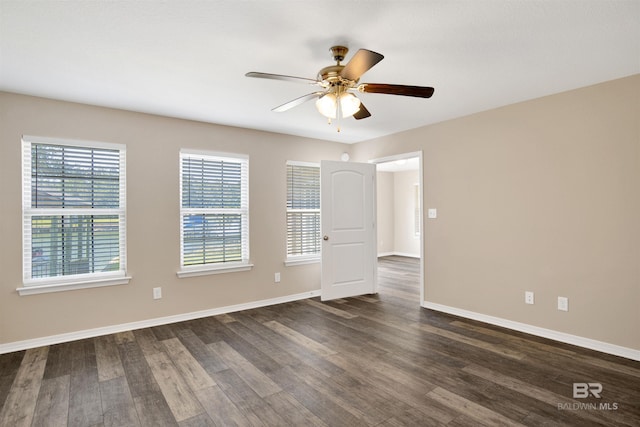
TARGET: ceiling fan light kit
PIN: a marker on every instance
(338, 82)
(329, 106)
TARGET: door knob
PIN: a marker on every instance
(325, 237)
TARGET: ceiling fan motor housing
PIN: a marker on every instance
(332, 73)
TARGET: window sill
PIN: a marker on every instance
(44, 288)
(301, 261)
(207, 270)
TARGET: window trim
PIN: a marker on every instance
(185, 271)
(292, 260)
(32, 286)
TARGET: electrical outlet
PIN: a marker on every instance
(528, 297)
(157, 293)
(277, 278)
(563, 303)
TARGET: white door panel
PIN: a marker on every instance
(347, 196)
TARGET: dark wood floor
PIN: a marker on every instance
(376, 360)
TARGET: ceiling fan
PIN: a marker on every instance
(337, 83)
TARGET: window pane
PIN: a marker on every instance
(64, 245)
(212, 238)
(211, 183)
(303, 187)
(303, 233)
(74, 177)
(303, 210)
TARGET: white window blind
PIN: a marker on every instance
(73, 210)
(214, 193)
(303, 210)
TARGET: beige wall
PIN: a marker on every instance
(395, 220)
(152, 144)
(543, 196)
(385, 214)
(405, 241)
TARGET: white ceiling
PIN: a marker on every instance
(187, 59)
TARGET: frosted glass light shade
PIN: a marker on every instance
(349, 104)
(327, 105)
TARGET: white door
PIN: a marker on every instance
(347, 212)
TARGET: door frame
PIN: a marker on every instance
(404, 156)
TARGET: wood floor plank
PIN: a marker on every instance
(181, 401)
(19, 407)
(220, 408)
(225, 318)
(261, 338)
(125, 337)
(255, 378)
(412, 417)
(477, 412)
(191, 371)
(153, 410)
(261, 360)
(52, 408)
(319, 403)
(523, 343)
(85, 406)
(58, 361)
(499, 349)
(108, 358)
(117, 403)
(202, 420)
(292, 411)
(351, 399)
(139, 376)
(253, 407)
(209, 330)
(299, 339)
(147, 341)
(203, 354)
(329, 309)
(163, 332)
(9, 365)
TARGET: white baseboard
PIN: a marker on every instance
(90, 333)
(604, 347)
(408, 255)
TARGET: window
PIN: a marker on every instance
(303, 212)
(214, 213)
(73, 214)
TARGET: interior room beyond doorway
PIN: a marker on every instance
(399, 213)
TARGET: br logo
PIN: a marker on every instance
(584, 390)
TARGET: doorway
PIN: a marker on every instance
(400, 234)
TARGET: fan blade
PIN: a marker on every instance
(297, 101)
(417, 91)
(362, 113)
(281, 77)
(361, 62)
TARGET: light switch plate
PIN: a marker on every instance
(563, 303)
(432, 213)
